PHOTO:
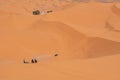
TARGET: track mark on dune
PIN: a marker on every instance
(8, 62)
(44, 58)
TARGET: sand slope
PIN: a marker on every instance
(91, 19)
(41, 37)
(84, 35)
(106, 68)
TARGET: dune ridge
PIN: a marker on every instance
(58, 38)
(87, 17)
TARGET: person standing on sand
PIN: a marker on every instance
(56, 55)
(35, 60)
(24, 61)
(32, 61)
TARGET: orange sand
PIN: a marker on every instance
(85, 35)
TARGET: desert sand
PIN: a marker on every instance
(85, 35)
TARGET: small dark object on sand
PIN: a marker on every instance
(32, 61)
(56, 55)
(25, 62)
(36, 61)
(36, 12)
(49, 11)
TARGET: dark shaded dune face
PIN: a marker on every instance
(109, 27)
(115, 10)
(98, 47)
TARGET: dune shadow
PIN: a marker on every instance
(115, 10)
(109, 27)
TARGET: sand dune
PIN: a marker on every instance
(106, 68)
(85, 46)
(82, 34)
(85, 17)
(58, 38)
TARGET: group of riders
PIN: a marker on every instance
(34, 60)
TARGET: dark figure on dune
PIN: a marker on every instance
(49, 11)
(24, 61)
(36, 12)
(56, 55)
(32, 61)
(36, 61)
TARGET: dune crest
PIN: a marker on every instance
(77, 45)
(44, 37)
(86, 17)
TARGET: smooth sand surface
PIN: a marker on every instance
(86, 37)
